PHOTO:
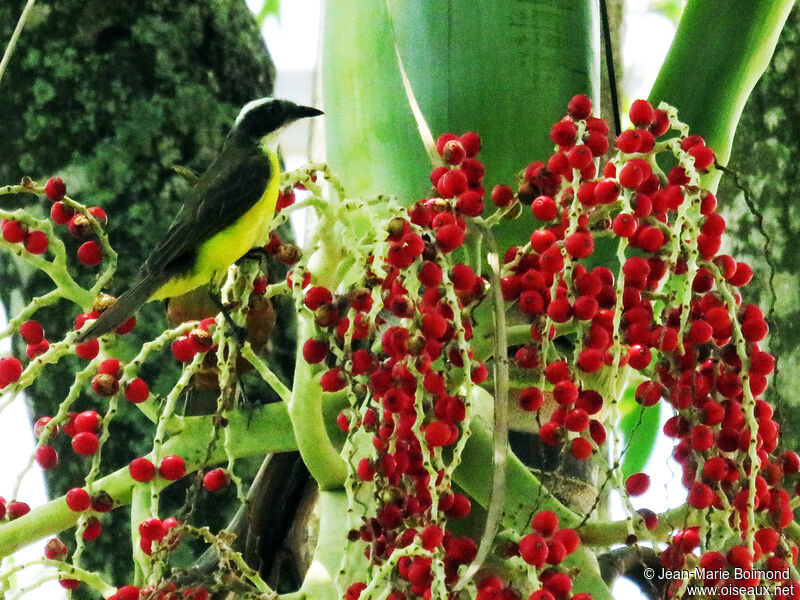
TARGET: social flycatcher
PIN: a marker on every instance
(222, 218)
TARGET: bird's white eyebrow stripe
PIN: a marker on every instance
(248, 107)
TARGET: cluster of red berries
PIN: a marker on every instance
(172, 467)
(35, 341)
(156, 530)
(78, 500)
(412, 352)
(15, 232)
(89, 253)
(544, 548)
(698, 349)
(198, 341)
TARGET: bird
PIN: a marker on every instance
(223, 216)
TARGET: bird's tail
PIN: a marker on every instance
(124, 307)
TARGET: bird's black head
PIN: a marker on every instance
(265, 116)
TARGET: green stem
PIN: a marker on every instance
(14, 37)
(305, 410)
(500, 406)
(596, 533)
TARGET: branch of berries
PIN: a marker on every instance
(675, 316)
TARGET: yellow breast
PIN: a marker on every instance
(216, 254)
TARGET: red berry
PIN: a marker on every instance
(544, 208)
(285, 198)
(78, 499)
(590, 360)
(533, 549)
(576, 420)
(90, 254)
(605, 191)
(639, 356)
(36, 242)
(365, 470)
(579, 107)
(597, 142)
(579, 157)
(452, 183)
(85, 443)
(470, 203)
(545, 522)
(61, 214)
(13, 231)
(565, 392)
(703, 156)
(184, 349)
(215, 480)
(46, 457)
(431, 537)
(641, 113)
(141, 469)
(471, 142)
(55, 189)
(10, 370)
(88, 420)
(637, 484)
(531, 399)
(34, 350)
(333, 380)
(754, 330)
(314, 351)
(624, 225)
(581, 448)
(502, 196)
(317, 296)
(172, 467)
(650, 239)
(630, 141)
(449, 237)
(152, 529)
(99, 214)
(55, 549)
(437, 433)
(32, 332)
(742, 275)
(579, 244)
(93, 529)
(453, 152)
(551, 260)
(542, 239)
(563, 133)
(649, 517)
(442, 140)
(632, 175)
(137, 391)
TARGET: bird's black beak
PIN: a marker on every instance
(302, 112)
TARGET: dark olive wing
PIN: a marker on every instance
(230, 187)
